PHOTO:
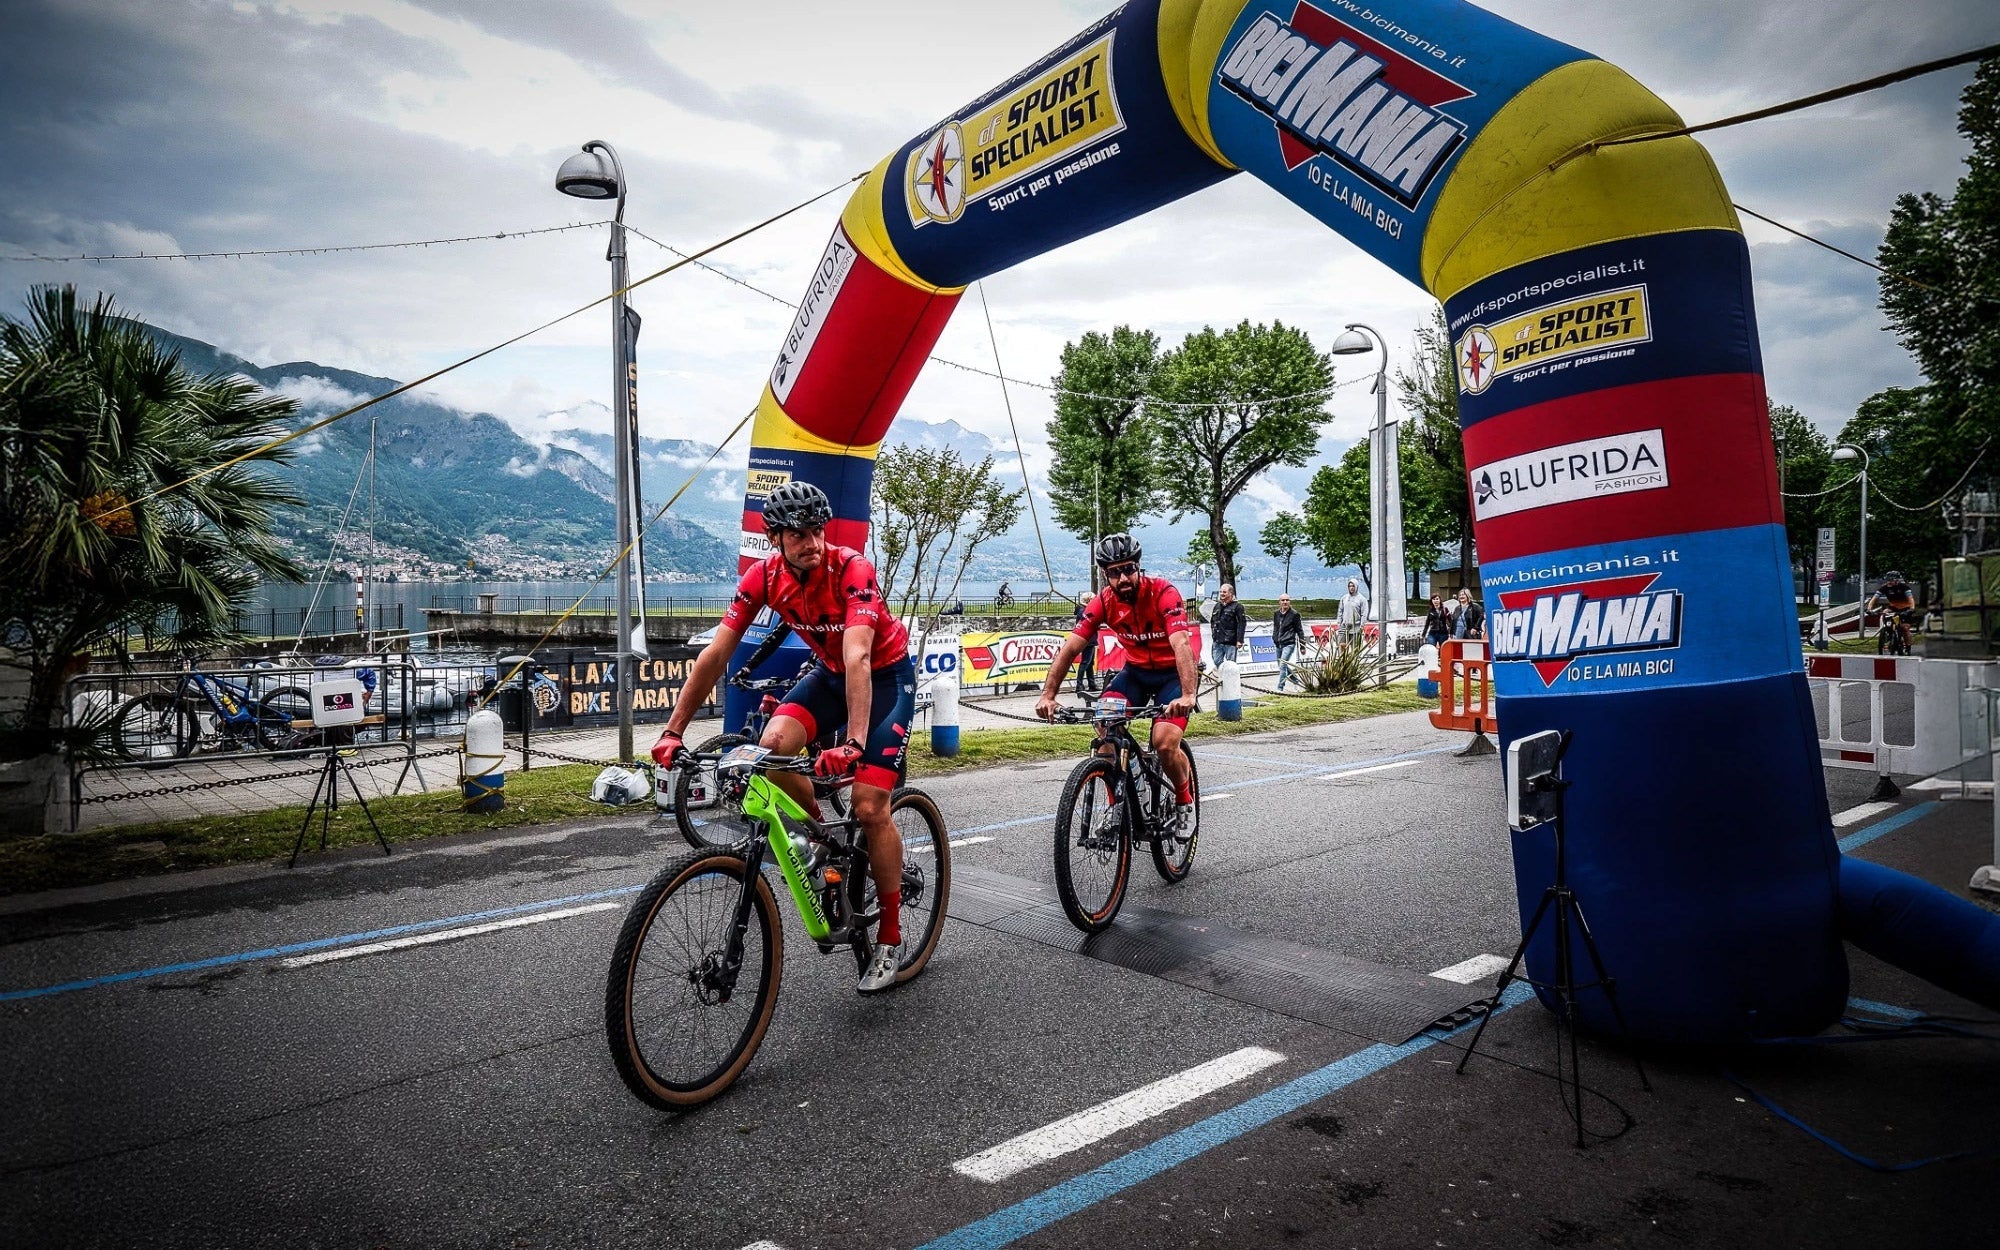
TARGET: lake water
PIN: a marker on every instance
(333, 603)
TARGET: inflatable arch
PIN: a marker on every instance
(1626, 508)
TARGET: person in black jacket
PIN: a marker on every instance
(1470, 619)
(1438, 624)
(1286, 630)
(1227, 627)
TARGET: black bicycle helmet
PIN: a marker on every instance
(1117, 549)
(796, 505)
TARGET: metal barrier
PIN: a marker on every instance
(1893, 714)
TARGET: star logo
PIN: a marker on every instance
(937, 176)
(1475, 353)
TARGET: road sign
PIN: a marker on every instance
(1824, 564)
(1826, 577)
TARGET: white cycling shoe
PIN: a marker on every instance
(882, 967)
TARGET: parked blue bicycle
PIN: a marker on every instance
(207, 713)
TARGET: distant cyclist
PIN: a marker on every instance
(1896, 596)
(829, 596)
(1149, 618)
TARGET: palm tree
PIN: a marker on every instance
(132, 496)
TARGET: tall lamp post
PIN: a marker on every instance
(1849, 452)
(595, 174)
(1385, 496)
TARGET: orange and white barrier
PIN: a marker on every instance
(1465, 687)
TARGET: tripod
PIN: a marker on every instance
(1568, 912)
(329, 784)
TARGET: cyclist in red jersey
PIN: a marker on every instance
(829, 596)
(1149, 618)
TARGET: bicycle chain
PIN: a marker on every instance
(195, 787)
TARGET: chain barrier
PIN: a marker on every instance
(545, 753)
(219, 783)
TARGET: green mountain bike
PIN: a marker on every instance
(695, 971)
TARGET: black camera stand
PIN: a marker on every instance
(1568, 912)
(329, 785)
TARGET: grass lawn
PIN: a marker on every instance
(538, 797)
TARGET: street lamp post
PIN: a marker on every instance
(1847, 452)
(1385, 496)
(595, 174)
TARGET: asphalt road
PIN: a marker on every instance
(458, 1093)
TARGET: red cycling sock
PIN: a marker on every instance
(890, 932)
(1187, 793)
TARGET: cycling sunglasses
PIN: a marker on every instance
(1121, 570)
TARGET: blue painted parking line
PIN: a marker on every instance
(1033, 1214)
(273, 952)
(1881, 828)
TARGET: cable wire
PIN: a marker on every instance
(1027, 487)
(1831, 248)
(307, 251)
(1823, 97)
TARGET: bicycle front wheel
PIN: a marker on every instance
(926, 877)
(1173, 856)
(275, 713)
(681, 1026)
(1093, 844)
(716, 828)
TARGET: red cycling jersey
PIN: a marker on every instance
(840, 593)
(1145, 626)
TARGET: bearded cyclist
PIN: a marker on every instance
(829, 596)
(1897, 596)
(1147, 616)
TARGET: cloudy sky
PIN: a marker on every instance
(190, 126)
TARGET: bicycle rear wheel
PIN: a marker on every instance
(1173, 857)
(680, 1031)
(275, 713)
(152, 727)
(1093, 844)
(926, 877)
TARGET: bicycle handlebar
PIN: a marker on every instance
(1086, 716)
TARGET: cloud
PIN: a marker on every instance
(316, 394)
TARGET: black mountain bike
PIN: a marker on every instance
(694, 975)
(1110, 801)
(696, 786)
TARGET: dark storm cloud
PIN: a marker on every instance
(594, 35)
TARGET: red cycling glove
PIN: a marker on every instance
(666, 749)
(838, 761)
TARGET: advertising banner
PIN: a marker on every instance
(590, 685)
(993, 659)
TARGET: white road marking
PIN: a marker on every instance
(1855, 815)
(763, 1245)
(1215, 798)
(969, 841)
(444, 935)
(1477, 968)
(1945, 783)
(1373, 768)
(1074, 1132)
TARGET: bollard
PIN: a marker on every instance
(1229, 691)
(944, 715)
(1427, 664)
(482, 769)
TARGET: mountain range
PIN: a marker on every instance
(456, 493)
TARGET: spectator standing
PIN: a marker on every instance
(1086, 669)
(1469, 621)
(1440, 622)
(1353, 611)
(1227, 627)
(1286, 630)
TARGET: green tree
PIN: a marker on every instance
(133, 496)
(1942, 288)
(1200, 555)
(932, 511)
(1904, 435)
(1281, 536)
(1336, 511)
(1260, 396)
(1436, 507)
(1805, 467)
(1103, 479)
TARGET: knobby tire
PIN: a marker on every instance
(1171, 859)
(1089, 906)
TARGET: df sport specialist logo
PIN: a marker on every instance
(1579, 330)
